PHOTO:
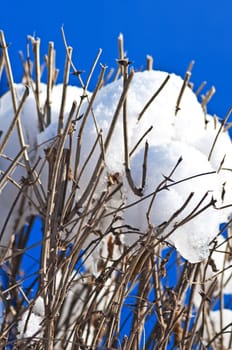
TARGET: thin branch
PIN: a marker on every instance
(36, 50)
(153, 97)
(50, 68)
(64, 91)
(1, 65)
(84, 120)
(14, 121)
(184, 85)
(200, 88)
(144, 174)
(12, 167)
(149, 62)
(93, 69)
(76, 71)
(140, 140)
(219, 131)
(207, 98)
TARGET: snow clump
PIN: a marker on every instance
(187, 170)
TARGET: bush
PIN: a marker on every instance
(122, 191)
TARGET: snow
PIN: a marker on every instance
(34, 327)
(30, 324)
(29, 122)
(219, 322)
(173, 136)
(192, 238)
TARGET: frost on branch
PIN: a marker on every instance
(120, 177)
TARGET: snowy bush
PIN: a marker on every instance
(127, 180)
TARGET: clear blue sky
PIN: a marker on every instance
(173, 31)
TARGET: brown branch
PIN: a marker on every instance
(153, 97)
(184, 85)
(15, 120)
(149, 62)
(200, 88)
(219, 131)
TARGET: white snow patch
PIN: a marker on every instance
(173, 136)
(30, 324)
(219, 322)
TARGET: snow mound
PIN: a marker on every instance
(201, 182)
(174, 135)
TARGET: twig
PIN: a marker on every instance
(184, 85)
(153, 97)
(50, 68)
(149, 62)
(207, 98)
(12, 166)
(8, 69)
(1, 65)
(200, 88)
(137, 191)
(92, 69)
(84, 120)
(144, 174)
(76, 71)
(64, 91)
(36, 50)
(121, 47)
(14, 121)
(140, 140)
(219, 131)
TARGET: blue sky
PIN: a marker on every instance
(173, 32)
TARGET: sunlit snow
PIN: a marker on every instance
(184, 136)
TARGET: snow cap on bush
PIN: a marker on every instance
(204, 172)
